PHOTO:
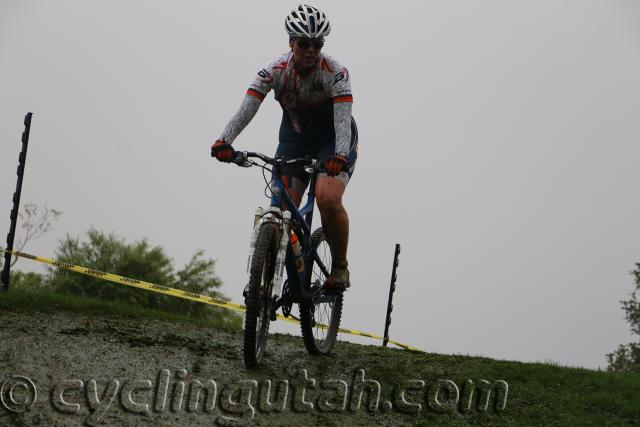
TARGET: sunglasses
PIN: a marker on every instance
(306, 43)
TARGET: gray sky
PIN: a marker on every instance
(499, 145)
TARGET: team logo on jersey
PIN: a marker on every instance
(264, 76)
(342, 75)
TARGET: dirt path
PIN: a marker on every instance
(106, 371)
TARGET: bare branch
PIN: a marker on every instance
(35, 223)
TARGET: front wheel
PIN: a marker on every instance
(320, 317)
(258, 297)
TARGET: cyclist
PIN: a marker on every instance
(314, 91)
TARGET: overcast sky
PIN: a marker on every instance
(499, 145)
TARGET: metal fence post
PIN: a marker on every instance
(392, 288)
(22, 160)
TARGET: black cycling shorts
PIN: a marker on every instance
(320, 152)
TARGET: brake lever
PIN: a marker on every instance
(241, 159)
(315, 166)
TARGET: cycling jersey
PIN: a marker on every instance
(316, 106)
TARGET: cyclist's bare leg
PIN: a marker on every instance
(296, 190)
(335, 221)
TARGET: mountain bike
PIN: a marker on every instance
(282, 240)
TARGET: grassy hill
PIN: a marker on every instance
(110, 360)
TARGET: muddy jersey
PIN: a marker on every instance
(309, 102)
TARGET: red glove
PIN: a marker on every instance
(335, 165)
(222, 151)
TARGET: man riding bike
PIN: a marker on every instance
(314, 91)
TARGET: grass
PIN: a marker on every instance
(539, 394)
(26, 299)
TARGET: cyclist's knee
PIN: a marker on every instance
(329, 201)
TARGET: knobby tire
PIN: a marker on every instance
(257, 300)
(327, 310)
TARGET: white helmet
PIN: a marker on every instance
(307, 21)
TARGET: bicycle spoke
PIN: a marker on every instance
(323, 307)
(320, 317)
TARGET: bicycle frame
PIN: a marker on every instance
(270, 243)
(300, 220)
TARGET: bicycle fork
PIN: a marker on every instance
(282, 220)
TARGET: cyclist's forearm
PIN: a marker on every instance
(241, 119)
(342, 124)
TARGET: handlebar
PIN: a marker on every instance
(241, 158)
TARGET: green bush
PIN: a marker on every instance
(626, 358)
(31, 280)
(139, 260)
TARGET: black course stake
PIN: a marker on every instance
(4, 278)
(392, 288)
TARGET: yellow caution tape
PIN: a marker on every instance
(132, 282)
(177, 292)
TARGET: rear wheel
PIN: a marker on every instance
(320, 318)
(258, 298)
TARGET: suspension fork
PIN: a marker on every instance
(282, 222)
(276, 289)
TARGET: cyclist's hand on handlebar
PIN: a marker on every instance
(336, 164)
(222, 151)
